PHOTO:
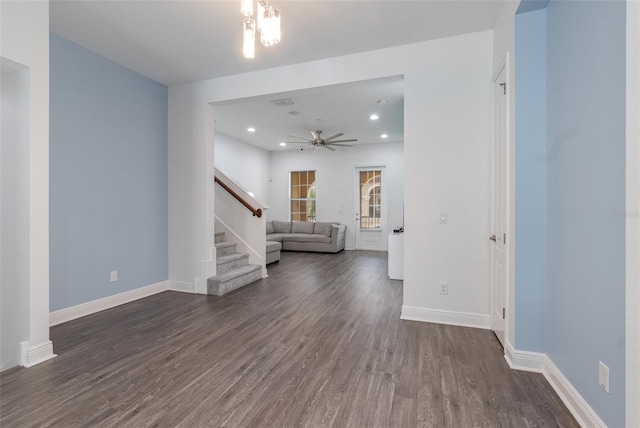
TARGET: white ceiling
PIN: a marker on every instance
(179, 41)
(342, 108)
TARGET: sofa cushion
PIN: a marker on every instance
(273, 246)
(323, 229)
(318, 239)
(276, 237)
(302, 227)
(269, 227)
(281, 226)
(295, 237)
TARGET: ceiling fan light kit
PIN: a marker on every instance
(267, 24)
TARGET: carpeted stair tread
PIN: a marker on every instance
(225, 248)
(221, 245)
(218, 237)
(234, 273)
(223, 283)
(231, 257)
(231, 262)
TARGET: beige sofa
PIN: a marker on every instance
(307, 236)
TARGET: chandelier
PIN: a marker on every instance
(267, 24)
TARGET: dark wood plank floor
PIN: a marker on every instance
(318, 343)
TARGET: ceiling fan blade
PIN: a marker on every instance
(297, 142)
(314, 135)
(339, 134)
(343, 141)
(342, 145)
(329, 148)
(293, 136)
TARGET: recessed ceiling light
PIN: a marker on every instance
(283, 144)
(374, 117)
(251, 194)
(384, 136)
(251, 129)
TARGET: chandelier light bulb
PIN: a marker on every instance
(249, 38)
(275, 22)
(266, 33)
(267, 23)
(246, 7)
(270, 34)
(262, 9)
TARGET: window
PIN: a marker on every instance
(370, 199)
(303, 196)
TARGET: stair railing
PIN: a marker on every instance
(257, 212)
(233, 218)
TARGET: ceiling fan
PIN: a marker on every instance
(318, 141)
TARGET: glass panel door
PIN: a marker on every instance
(370, 199)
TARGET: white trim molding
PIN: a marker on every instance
(462, 319)
(524, 360)
(37, 354)
(577, 405)
(632, 222)
(183, 287)
(84, 309)
(208, 269)
(541, 363)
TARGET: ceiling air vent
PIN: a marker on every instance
(284, 102)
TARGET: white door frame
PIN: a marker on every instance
(384, 214)
(504, 67)
(632, 223)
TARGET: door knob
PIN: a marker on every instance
(493, 238)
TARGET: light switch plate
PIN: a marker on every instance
(603, 376)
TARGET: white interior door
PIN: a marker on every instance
(370, 208)
(500, 112)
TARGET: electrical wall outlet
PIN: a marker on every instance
(114, 275)
(444, 288)
(603, 376)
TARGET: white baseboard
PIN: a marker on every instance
(577, 405)
(524, 360)
(84, 309)
(32, 355)
(541, 363)
(463, 319)
(183, 287)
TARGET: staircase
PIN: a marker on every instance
(233, 269)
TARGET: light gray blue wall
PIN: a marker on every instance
(531, 181)
(585, 298)
(108, 177)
